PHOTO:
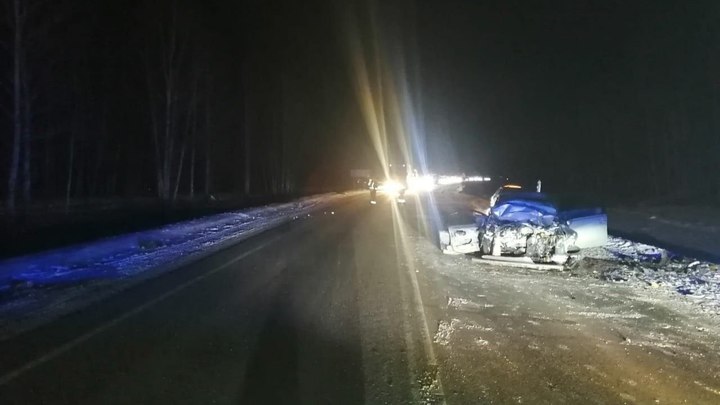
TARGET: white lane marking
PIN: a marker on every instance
(6, 378)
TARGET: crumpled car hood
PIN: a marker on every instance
(520, 210)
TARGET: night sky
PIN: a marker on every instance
(612, 97)
(610, 94)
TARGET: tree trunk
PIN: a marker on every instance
(167, 149)
(101, 151)
(192, 171)
(208, 134)
(179, 172)
(17, 105)
(247, 160)
(27, 145)
(247, 127)
(155, 128)
(207, 173)
(191, 133)
(71, 164)
(112, 189)
(48, 178)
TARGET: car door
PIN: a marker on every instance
(590, 226)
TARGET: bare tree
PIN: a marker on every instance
(30, 24)
(26, 143)
(247, 129)
(163, 81)
(71, 166)
(208, 137)
(17, 24)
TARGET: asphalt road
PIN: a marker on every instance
(356, 305)
(317, 311)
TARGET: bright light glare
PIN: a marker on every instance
(477, 178)
(446, 180)
(390, 186)
(421, 183)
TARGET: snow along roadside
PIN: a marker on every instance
(40, 287)
(128, 255)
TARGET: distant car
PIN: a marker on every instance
(528, 224)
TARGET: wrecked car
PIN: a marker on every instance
(527, 225)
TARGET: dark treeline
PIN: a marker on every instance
(166, 98)
(179, 98)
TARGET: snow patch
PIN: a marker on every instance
(127, 255)
(445, 331)
(625, 249)
(430, 387)
(481, 342)
(606, 315)
(625, 261)
(464, 304)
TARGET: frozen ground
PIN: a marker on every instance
(508, 335)
(38, 286)
(628, 323)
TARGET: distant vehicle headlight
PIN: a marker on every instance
(421, 183)
(391, 186)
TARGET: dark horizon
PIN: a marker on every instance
(613, 98)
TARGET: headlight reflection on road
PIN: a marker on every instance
(411, 298)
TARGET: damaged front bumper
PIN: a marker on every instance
(542, 243)
(531, 230)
